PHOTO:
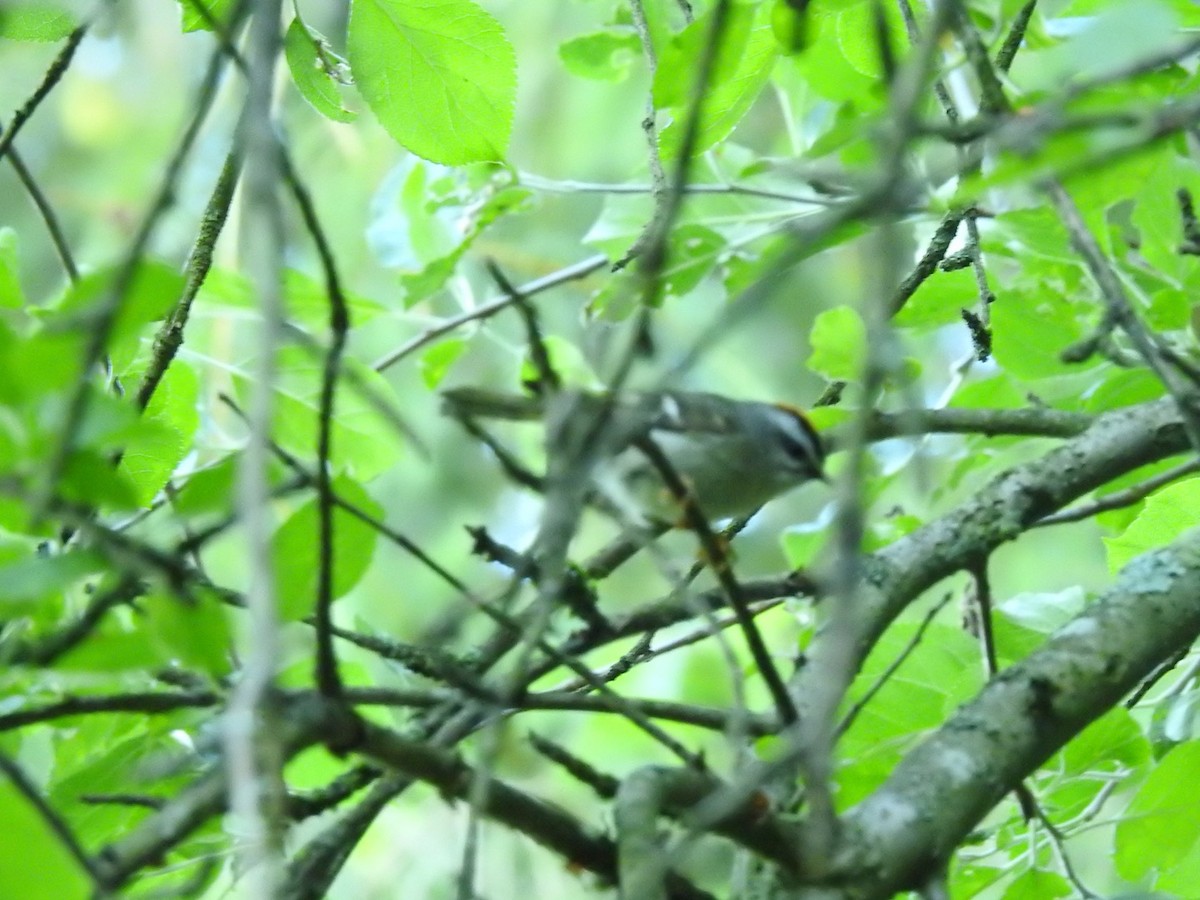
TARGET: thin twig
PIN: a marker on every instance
(1016, 34)
(658, 178)
(894, 666)
(327, 677)
(104, 315)
(568, 186)
(53, 75)
(545, 379)
(934, 253)
(143, 702)
(169, 338)
(42, 202)
(489, 308)
(1118, 309)
(1120, 499)
(718, 559)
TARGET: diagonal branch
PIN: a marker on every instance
(941, 789)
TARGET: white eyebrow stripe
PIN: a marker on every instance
(805, 441)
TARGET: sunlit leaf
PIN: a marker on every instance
(1038, 884)
(214, 10)
(151, 292)
(439, 74)
(839, 342)
(746, 52)
(317, 71)
(1166, 515)
(11, 295)
(35, 864)
(1161, 828)
(24, 20)
(152, 455)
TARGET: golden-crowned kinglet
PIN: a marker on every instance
(733, 455)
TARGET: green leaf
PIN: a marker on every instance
(425, 217)
(90, 479)
(745, 57)
(1029, 232)
(856, 35)
(997, 392)
(219, 11)
(35, 865)
(195, 634)
(802, 542)
(1167, 514)
(1180, 881)
(695, 250)
(105, 754)
(308, 302)
(1157, 219)
(1161, 828)
(789, 23)
(1110, 749)
(618, 296)
(825, 65)
(317, 71)
(490, 204)
(294, 550)
(1023, 621)
(1102, 44)
(622, 218)
(152, 292)
(11, 295)
(113, 648)
(437, 360)
(1114, 742)
(972, 879)
(890, 528)
(1174, 718)
(306, 299)
(151, 456)
(365, 442)
(601, 55)
(940, 300)
(844, 133)
(1038, 884)
(566, 359)
(839, 344)
(208, 490)
(1030, 330)
(696, 682)
(439, 74)
(421, 284)
(1124, 387)
(35, 22)
(940, 672)
(1170, 309)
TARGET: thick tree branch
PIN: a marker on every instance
(1116, 443)
(941, 790)
(999, 512)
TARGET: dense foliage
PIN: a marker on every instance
(248, 249)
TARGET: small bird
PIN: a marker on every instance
(733, 455)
